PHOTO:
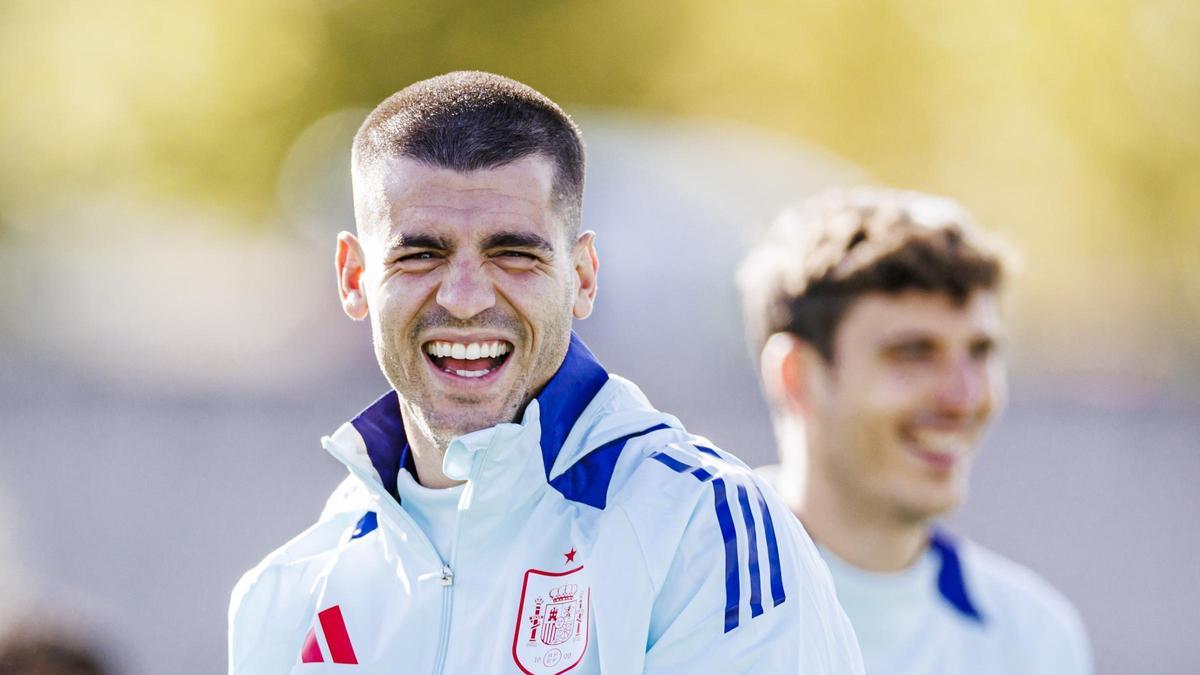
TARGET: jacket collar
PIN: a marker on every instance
(382, 429)
(951, 582)
(560, 403)
(565, 396)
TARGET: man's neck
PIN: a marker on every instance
(427, 457)
(428, 451)
(867, 538)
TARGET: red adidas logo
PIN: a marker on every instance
(333, 629)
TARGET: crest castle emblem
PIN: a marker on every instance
(552, 622)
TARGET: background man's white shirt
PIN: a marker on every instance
(960, 609)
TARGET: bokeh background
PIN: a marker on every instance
(171, 348)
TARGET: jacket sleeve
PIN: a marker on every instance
(1077, 656)
(254, 645)
(747, 592)
(271, 607)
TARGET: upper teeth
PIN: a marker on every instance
(471, 351)
(941, 442)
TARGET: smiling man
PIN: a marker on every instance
(511, 506)
(876, 316)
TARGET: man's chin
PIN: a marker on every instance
(939, 502)
(923, 512)
(450, 427)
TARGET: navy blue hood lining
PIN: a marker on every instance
(382, 429)
(561, 402)
(565, 396)
(951, 583)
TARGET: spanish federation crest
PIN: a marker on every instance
(552, 622)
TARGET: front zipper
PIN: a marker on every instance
(446, 575)
(447, 580)
(386, 506)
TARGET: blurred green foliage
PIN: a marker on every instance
(1072, 126)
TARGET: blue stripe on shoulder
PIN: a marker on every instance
(951, 583)
(365, 526)
(733, 578)
(752, 535)
(777, 594)
(729, 534)
(671, 463)
(677, 466)
(587, 480)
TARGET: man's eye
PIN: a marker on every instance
(421, 255)
(516, 261)
(982, 349)
(912, 351)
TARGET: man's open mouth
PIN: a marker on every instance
(468, 359)
(941, 445)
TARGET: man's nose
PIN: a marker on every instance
(466, 290)
(966, 387)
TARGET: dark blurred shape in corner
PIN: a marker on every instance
(51, 649)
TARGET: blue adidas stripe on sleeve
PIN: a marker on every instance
(726, 523)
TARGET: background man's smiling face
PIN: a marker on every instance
(471, 283)
(900, 412)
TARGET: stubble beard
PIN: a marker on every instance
(404, 365)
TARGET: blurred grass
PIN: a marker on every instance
(1073, 127)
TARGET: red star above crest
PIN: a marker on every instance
(569, 555)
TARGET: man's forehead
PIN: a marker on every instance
(415, 194)
(882, 316)
(529, 179)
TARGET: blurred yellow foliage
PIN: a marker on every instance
(1074, 127)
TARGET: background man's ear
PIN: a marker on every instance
(349, 262)
(787, 364)
(587, 264)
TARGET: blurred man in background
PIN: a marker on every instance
(511, 506)
(876, 316)
(48, 650)
(38, 638)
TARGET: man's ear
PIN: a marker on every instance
(349, 261)
(586, 267)
(788, 366)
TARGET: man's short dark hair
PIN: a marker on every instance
(821, 256)
(470, 120)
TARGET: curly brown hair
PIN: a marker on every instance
(822, 255)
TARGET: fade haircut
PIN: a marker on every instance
(822, 255)
(466, 121)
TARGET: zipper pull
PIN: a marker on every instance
(447, 576)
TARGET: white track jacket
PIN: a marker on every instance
(595, 536)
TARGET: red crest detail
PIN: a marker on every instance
(553, 619)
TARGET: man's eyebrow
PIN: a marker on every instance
(429, 241)
(906, 336)
(516, 240)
